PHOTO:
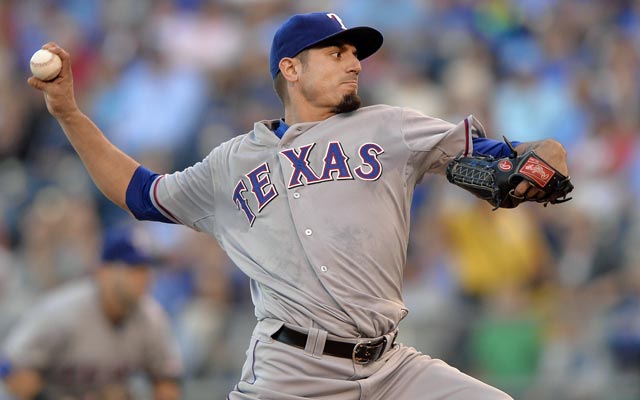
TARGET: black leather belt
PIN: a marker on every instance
(361, 353)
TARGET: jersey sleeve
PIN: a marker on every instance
(33, 341)
(185, 197)
(162, 357)
(139, 196)
(435, 142)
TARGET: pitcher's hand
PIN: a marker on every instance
(553, 153)
(58, 93)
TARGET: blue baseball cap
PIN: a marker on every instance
(120, 245)
(302, 31)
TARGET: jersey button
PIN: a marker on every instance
(296, 195)
(308, 232)
(324, 268)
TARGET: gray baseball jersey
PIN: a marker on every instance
(78, 351)
(319, 220)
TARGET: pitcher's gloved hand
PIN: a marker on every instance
(495, 179)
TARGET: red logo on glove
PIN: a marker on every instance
(538, 171)
(505, 165)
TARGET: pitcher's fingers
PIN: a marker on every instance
(49, 45)
(54, 48)
(522, 189)
(64, 57)
(36, 83)
(540, 195)
(534, 194)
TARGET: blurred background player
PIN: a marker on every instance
(88, 338)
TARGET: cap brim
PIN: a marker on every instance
(366, 40)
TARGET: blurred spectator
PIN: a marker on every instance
(491, 251)
(506, 341)
(153, 107)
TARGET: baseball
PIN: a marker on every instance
(45, 65)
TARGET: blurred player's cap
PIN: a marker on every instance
(123, 245)
(306, 30)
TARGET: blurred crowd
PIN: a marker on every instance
(541, 302)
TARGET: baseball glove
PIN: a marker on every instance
(495, 179)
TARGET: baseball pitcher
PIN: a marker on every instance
(314, 208)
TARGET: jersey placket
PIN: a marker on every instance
(299, 205)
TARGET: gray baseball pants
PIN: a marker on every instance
(279, 371)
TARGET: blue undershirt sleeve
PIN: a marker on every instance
(492, 147)
(139, 196)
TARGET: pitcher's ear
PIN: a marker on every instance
(290, 68)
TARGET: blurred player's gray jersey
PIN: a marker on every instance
(320, 219)
(79, 352)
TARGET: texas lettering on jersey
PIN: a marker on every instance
(335, 167)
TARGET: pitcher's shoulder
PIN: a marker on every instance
(230, 145)
(379, 109)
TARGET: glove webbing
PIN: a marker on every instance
(470, 176)
(478, 177)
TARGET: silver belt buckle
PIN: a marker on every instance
(361, 354)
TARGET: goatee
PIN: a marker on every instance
(350, 102)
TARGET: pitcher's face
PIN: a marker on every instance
(329, 77)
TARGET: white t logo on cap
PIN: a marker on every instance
(335, 16)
